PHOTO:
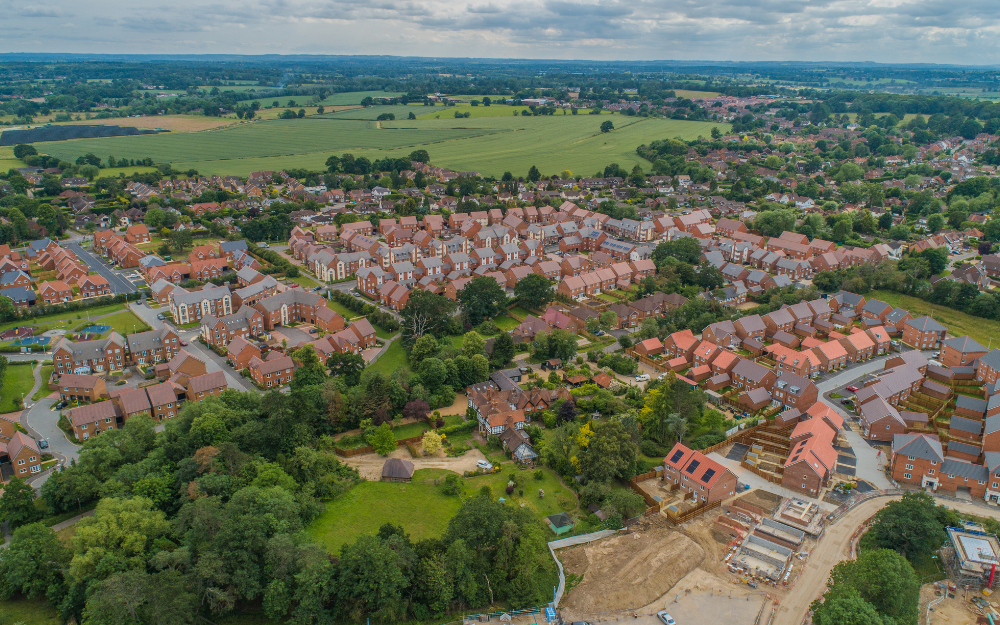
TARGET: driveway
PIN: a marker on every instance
(294, 336)
(370, 465)
(118, 283)
(214, 362)
(43, 422)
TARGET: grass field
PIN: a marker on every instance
(419, 507)
(694, 95)
(495, 110)
(393, 358)
(23, 610)
(557, 498)
(62, 321)
(125, 322)
(17, 380)
(958, 323)
(490, 145)
(174, 123)
(44, 390)
(401, 111)
(340, 309)
(355, 97)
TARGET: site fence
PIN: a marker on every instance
(569, 542)
(859, 499)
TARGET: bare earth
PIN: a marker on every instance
(370, 465)
(628, 570)
(174, 123)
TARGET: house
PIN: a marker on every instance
(649, 347)
(880, 421)
(137, 233)
(695, 473)
(206, 385)
(86, 357)
(923, 333)
(961, 352)
(24, 455)
(163, 400)
(93, 419)
(272, 372)
(239, 352)
(55, 292)
(96, 286)
(916, 459)
(77, 387)
(811, 457)
(747, 375)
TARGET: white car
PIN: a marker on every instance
(666, 618)
(485, 465)
(642, 377)
(662, 376)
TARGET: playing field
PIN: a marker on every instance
(490, 145)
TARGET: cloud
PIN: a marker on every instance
(940, 31)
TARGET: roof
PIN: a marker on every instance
(161, 394)
(966, 425)
(78, 381)
(207, 382)
(134, 400)
(397, 468)
(925, 324)
(696, 465)
(964, 345)
(923, 446)
(964, 469)
(971, 403)
(965, 448)
(93, 412)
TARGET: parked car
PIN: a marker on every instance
(161, 316)
(183, 343)
(485, 465)
(642, 377)
(599, 333)
(313, 330)
(525, 369)
(319, 288)
(847, 402)
(263, 244)
(293, 285)
(662, 376)
(666, 618)
(43, 444)
(853, 389)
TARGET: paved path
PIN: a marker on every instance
(73, 521)
(118, 283)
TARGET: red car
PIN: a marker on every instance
(183, 343)
(293, 286)
(853, 389)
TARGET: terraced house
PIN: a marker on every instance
(190, 306)
(245, 323)
(86, 357)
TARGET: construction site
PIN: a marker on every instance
(970, 556)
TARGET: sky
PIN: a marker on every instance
(965, 32)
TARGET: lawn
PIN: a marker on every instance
(44, 390)
(957, 322)
(410, 430)
(125, 322)
(557, 497)
(519, 311)
(382, 334)
(420, 508)
(16, 382)
(303, 280)
(490, 145)
(340, 309)
(62, 321)
(23, 610)
(506, 323)
(393, 358)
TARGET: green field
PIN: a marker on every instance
(18, 380)
(393, 358)
(420, 508)
(355, 97)
(62, 321)
(494, 110)
(557, 497)
(490, 145)
(33, 611)
(957, 322)
(370, 113)
(125, 322)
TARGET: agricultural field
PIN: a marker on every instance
(694, 95)
(957, 322)
(490, 145)
(420, 507)
(401, 111)
(355, 97)
(494, 110)
(173, 123)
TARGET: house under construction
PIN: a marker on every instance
(972, 556)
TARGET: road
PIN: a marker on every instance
(40, 421)
(117, 282)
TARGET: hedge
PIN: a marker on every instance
(461, 428)
(276, 259)
(375, 315)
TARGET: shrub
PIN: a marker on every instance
(451, 485)
(707, 440)
(652, 449)
(493, 441)
(539, 475)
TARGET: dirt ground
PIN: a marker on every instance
(951, 611)
(629, 570)
(370, 465)
(705, 598)
(174, 123)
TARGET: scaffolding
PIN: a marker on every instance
(971, 556)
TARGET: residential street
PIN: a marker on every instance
(118, 283)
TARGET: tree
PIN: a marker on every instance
(607, 126)
(383, 440)
(482, 298)
(24, 150)
(34, 562)
(179, 239)
(609, 319)
(534, 291)
(610, 455)
(935, 222)
(346, 365)
(773, 223)
(425, 313)
(900, 232)
(119, 536)
(884, 579)
(911, 526)
(424, 347)
(17, 504)
(473, 344)
(431, 442)
(686, 250)
(845, 606)
(503, 350)
(311, 369)
(533, 174)
(885, 221)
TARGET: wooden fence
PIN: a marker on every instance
(692, 513)
(659, 365)
(652, 505)
(350, 453)
(770, 477)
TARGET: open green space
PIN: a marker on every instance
(489, 145)
(557, 497)
(125, 322)
(17, 382)
(44, 374)
(24, 610)
(957, 322)
(340, 309)
(393, 358)
(421, 508)
(355, 97)
(494, 110)
(401, 111)
(409, 430)
(506, 323)
(62, 321)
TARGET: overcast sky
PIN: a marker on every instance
(891, 31)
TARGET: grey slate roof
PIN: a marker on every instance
(971, 403)
(992, 461)
(964, 448)
(965, 344)
(991, 359)
(923, 446)
(965, 469)
(232, 246)
(19, 294)
(925, 324)
(146, 341)
(966, 425)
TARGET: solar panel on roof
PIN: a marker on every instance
(708, 475)
(693, 466)
(677, 455)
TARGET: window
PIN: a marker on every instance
(33, 459)
(21, 461)
(906, 476)
(909, 466)
(930, 472)
(36, 468)
(982, 481)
